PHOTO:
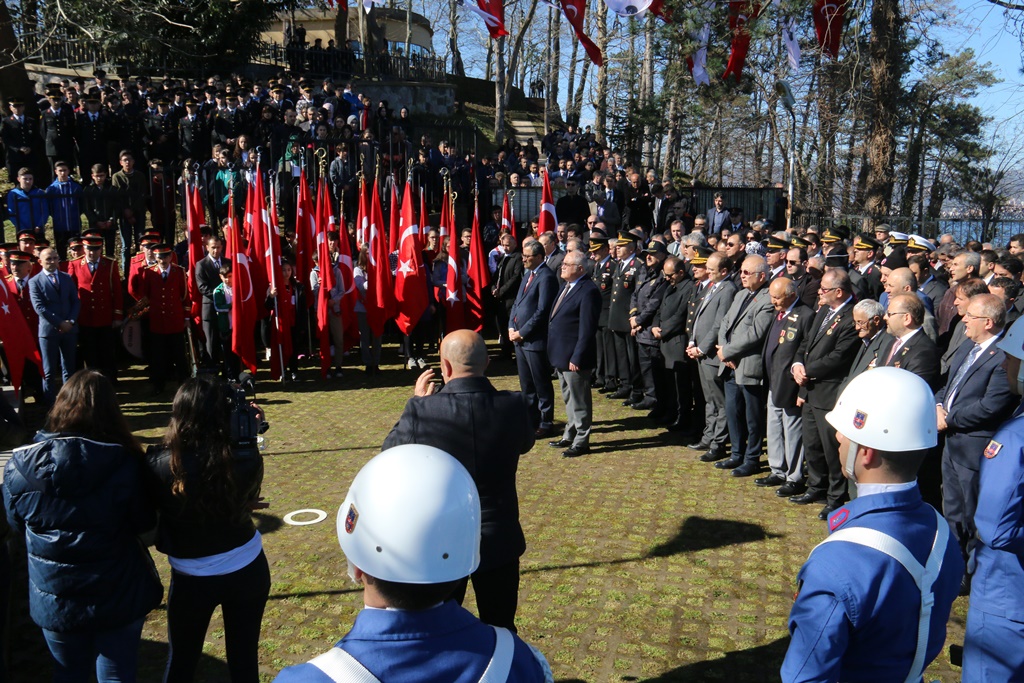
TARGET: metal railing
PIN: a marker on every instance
(352, 63)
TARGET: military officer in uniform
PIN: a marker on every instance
(194, 134)
(865, 275)
(18, 134)
(873, 599)
(99, 289)
(160, 135)
(644, 306)
(603, 274)
(164, 288)
(628, 273)
(92, 131)
(57, 128)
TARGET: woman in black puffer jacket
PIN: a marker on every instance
(77, 496)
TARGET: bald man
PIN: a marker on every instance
(486, 430)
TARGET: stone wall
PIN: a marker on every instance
(421, 98)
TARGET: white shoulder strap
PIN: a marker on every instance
(924, 575)
(341, 667)
(498, 668)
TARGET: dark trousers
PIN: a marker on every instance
(821, 453)
(99, 349)
(652, 371)
(211, 330)
(627, 363)
(535, 381)
(745, 411)
(242, 596)
(497, 594)
(606, 347)
(960, 500)
(166, 356)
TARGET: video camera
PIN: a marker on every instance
(247, 421)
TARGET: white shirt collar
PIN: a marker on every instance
(875, 489)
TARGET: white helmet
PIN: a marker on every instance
(412, 515)
(887, 408)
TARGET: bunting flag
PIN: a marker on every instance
(305, 231)
(20, 344)
(379, 289)
(508, 219)
(454, 295)
(629, 9)
(326, 265)
(548, 219)
(741, 14)
(574, 11)
(828, 24)
(284, 308)
(792, 44)
(479, 277)
(493, 14)
(698, 63)
(193, 219)
(411, 298)
(243, 295)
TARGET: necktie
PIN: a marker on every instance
(164, 274)
(53, 280)
(92, 267)
(895, 347)
(824, 323)
(529, 280)
(565, 290)
(961, 372)
(779, 316)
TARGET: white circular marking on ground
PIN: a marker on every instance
(318, 516)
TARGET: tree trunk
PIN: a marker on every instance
(828, 127)
(500, 98)
(489, 62)
(14, 80)
(408, 30)
(555, 66)
(851, 157)
(341, 30)
(570, 89)
(647, 89)
(577, 100)
(601, 101)
(886, 69)
(453, 38)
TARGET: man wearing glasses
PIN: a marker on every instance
(911, 349)
(822, 362)
(969, 409)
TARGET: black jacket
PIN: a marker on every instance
(827, 357)
(780, 347)
(486, 430)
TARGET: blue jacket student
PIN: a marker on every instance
(65, 206)
(994, 642)
(28, 211)
(840, 625)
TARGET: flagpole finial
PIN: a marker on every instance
(511, 194)
(321, 157)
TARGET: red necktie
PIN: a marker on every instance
(529, 280)
(895, 347)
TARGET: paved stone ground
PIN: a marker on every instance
(642, 563)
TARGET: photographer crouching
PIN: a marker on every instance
(205, 479)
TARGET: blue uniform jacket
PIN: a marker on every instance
(855, 615)
(996, 587)
(445, 643)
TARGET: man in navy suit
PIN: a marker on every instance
(718, 216)
(572, 350)
(528, 330)
(55, 298)
(972, 405)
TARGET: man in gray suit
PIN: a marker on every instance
(703, 347)
(740, 340)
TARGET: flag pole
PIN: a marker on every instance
(272, 235)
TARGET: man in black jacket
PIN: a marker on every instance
(460, 419)
(208, 279)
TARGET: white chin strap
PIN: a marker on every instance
(851, 459)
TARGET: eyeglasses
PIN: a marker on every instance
(971, 316)
(889, 314)
(794, 263)
(826, 290)
(750, 272)
(861, 324)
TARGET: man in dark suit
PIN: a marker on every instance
(869, 320)
(970, 408)
(703, 348)
(821, 363)
(717, 216)
(55, 300)
(792, 322)
(669, 328)
(208, 279)
(528, 330)
(508, 277)
(911, 349)
(460, 419)
(19, 134)
(552, 255)
(572, 351)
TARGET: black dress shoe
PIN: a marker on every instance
(605, 389)
(699, 444)
(620, 394)
(826, 511)
(575, 451)
(561, 443)
(645, 403)
(730, 464)
(748, 470)
(808, 498)
(790, 488)
(712, 456)
(544, 432)
(770, 480)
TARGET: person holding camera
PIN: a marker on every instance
(206, 486)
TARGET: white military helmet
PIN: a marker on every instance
(889, 409)
(412, 515)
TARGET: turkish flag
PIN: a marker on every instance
(828, 24)
(379, 301)
(19, 343)
(548, 219)
(741, 13)
(193, 219)
(326, 264)
(363, 217)
(447, 220)
(479, 276)
(257, 220)
(305, 231)
(508, 219)
(454, 295)
(493, 14)
(243, 295)
(394, 222)
(411, 298)
(574, 12)
(284, 310)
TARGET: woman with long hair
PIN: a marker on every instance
(78, 497)
(206, 488)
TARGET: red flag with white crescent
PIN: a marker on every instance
(243, 295)
(479, 276)
(574, 12)
(20, 343)
(363, 216)
(454, 294)
(194, 218)
(411, 299)
(305, 231)
(508, 219)
(548, 219)
(493, 14)
(828, 24)
(379, 299)
(326, 265)
(741, 14)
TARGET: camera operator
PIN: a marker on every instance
(206, 479)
